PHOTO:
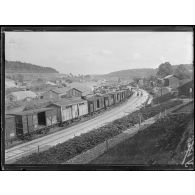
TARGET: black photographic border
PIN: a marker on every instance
(79, 28)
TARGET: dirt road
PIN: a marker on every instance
(48, 141)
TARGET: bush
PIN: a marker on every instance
(163, 98)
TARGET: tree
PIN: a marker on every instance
(136, 79)
(164, 69)
(181, 72)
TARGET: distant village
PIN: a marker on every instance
(27, 93)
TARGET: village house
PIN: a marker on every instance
(79, 89)
(21, 95)
(171, 81)
(186, 89)
(56, 93)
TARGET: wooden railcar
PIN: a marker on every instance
(112, 98)
(70, 109)
(30, 121)
(10, 128)
(95, 102)
(117, 97)
(106, 100)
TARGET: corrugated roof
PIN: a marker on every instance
(27, 112)
(20, 95)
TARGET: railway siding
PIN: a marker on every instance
(80, 144)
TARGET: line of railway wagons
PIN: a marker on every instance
(20, 124)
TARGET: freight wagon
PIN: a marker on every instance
(61, 112)
(30, 121)
(112, 98)
(106, 100)
(10, 128)
(117, 97)
(95, 102)
(70, 109)
(123, 95)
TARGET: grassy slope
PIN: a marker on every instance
(162, 143)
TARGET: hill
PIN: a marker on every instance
(131, 73)
(22, 67)
(143, 72)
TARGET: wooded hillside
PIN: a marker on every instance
(22, 67)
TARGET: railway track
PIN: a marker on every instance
(48, 141)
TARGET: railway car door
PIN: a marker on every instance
(66, 113)
(106, 102)
(35, 121)
(75, 113)
(91, 110)
(41, 118)
(83, 109)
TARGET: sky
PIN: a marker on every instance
(99, 52)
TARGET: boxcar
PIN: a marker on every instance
(10, 128)
(118, 97)
(30, 121)
(95, 102)
(112, 98)
(106, 100)
(71, 108)
(122, 92)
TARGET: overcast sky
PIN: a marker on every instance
(99, 52)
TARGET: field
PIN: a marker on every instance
(162, 143)
(79, 144)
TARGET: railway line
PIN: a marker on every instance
(48, 141)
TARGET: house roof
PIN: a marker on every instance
(80, 87)
(60, 90)
(20, 95)
(169, 76)
(191, 82)
(50, 83)
(69, 101)
(184, 81)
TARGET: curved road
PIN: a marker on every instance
(43, 143)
